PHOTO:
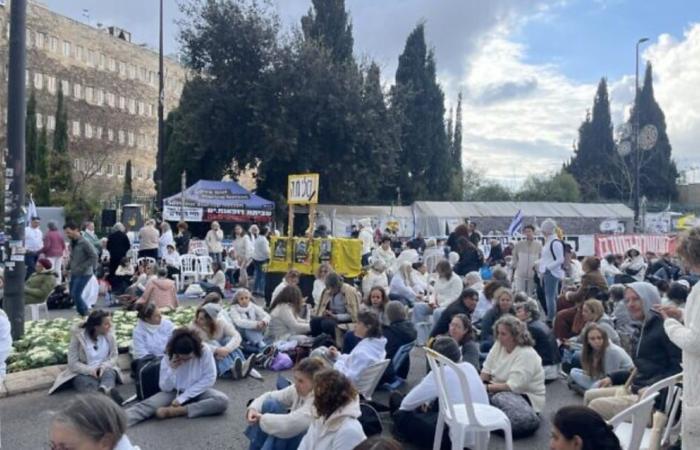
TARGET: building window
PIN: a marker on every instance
(110, 134)
(98, 169)
(88, 131)
(121, 137)
(65, 87)
(53, 44)
(76, 164)
(66, 49)
(38, 80)
(98, 132)
(143, 74)
(91, 58)
(132, 71)
(150, 110)
(110, 99)
(111, 64)
(51, 84)
(131, 138)
(110, 169)
(77, 91)
(122, 68)
(122, 102)
(50, 123)
(120, 170)
(132, 106)
(88, 94)
(142, 109)
(79, 52)
(39, 39)
(76, 128)
(39, 120)
(100, 97)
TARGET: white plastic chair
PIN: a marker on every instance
(432, 261)
(461, 414)
(370, 377)
(204, 267)
(35, 310)
(188, 269)
(638, 414)
(671, 430)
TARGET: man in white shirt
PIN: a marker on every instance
(551, 266)
(367, 238)
(33, 243)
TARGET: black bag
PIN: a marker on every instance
(59, 298)
(146, 375)
(370, 420)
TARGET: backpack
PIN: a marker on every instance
(59, 298)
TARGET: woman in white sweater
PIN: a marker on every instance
(336, 410)
(279, 419)
(222, 338)
(447, 289)
(405, 287)
(286, 323)
(514, 375)
(376, 276)
(213, 239)
(250, 319)
(149, 338)
(187, 377)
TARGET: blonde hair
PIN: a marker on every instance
(406, 272)
(689, 247)
(596, 307)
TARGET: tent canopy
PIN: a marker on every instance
(228, 201)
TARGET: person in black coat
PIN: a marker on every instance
(118, 246)
(399, 332)
(465, 304)
(182, 238)
(502, 304)
(545, 341)
(470, 258)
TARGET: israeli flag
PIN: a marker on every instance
(31, 210)
(516, 225)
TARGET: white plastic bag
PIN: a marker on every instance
(91, 292)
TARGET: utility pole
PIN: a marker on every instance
(161, 95)
(14, 173)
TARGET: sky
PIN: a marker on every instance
(528, 69)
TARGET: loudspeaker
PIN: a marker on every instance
(109, 217)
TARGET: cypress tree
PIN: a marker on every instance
(128, 193)
(43, 193)
(657, 170)
(328, 24)
(456, 154)
(60, 174)
(30, 132)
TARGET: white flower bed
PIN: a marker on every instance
(45, 342)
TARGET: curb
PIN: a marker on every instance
(33, 380)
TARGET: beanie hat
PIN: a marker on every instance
(448, 348)
(46, 263)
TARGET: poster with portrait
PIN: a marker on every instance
(302, 251)
(280, 250)
(325, 251)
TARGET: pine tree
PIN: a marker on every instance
(43, 193)
(658, 171)
(60, 172)
(328, 24)
(456, 154)
(418, 105)
(128, 193)
(30, 132)
(594, 163)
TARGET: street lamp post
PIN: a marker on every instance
(635, 138)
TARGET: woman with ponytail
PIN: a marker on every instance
(581, 428)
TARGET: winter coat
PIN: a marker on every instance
(83, 258)
(525, 255)
(341, 431)
(295, 422)
(182, 242)
(248, 318)
(398, 334)
(545, 342)
(77, 358)
(367, 352)
(38, 287)
(634, 267)
(352, 301)
(593, 285)
(443, 324)
(118, 245)
(213, 240)
(284, 323)
(148, 238)
(488, 321)
(655, 357)
(470, 260)
(54, 244)
(687, 337)
(160, 291)
(447, 291)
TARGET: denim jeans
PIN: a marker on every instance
(259, 440)
(551, 290)
(259, 280)
(75, 287)
(581, 379)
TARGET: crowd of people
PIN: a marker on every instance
(513, 320)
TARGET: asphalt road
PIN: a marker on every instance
(25, 419)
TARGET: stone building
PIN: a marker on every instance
(110, 85)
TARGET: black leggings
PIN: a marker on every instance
(323, 325)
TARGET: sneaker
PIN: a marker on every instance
(116, 396)
(247, 366)
(256, 375)
(237, 370)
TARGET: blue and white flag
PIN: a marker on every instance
(31, 210)
(516, 225)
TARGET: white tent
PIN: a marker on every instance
(339, 218)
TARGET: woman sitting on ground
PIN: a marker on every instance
(291, 278)
(470, 257)
(447, 289)
(39, 284)
(376, 302)
(187, 377)
(599, 357)
(146, 272)
(339, 305)
(90, 422)
(370, 349)
(151, 333)
(462, 332)
(286, 321)
(171, 258)
(385, 254)
(405, 287)
(216, 281)
(320, 282)
(416, 415)
(223, 340)
(634, 267)
(514, 376)
(336, 409)
(92, 357)
(279, 419)
(251, 321)
(161, 291)
(545, 342)
(122, 276)
(579, 427)
(398, 333)
(376, 276)
(502, 304)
